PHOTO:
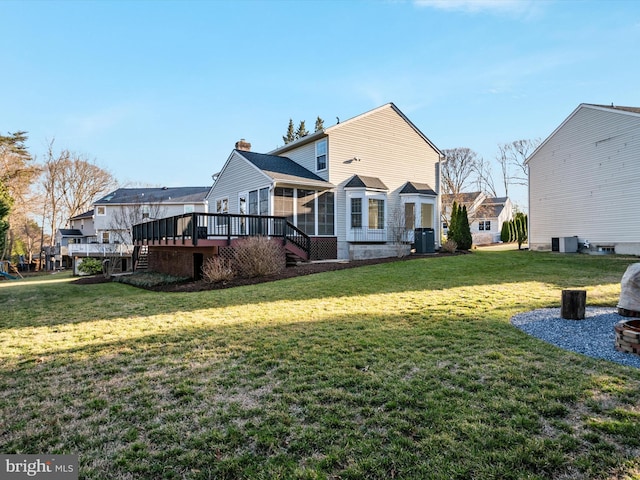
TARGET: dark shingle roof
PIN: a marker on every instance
(70, 232)
(460, 198)
(360, 181)
(283, 169)
(618, 107)
(87, 214)
(160, 194)
(421, 188)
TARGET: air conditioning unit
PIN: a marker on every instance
(564, 244)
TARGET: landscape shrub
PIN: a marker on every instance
(90, 266)
(450, 246)
(259, 256)
(218, 269)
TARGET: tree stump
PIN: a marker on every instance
(573, 304)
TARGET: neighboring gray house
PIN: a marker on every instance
(350, 187)
(584, 182)
(486, 214)
(105, 231)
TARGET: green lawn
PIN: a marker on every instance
(400, 370)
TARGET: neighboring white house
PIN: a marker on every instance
(105, 231)
(584, 181)
(486, 214)
(351, 187)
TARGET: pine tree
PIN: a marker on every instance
(319, 124)
(302, 130)
(464, 230)
(291, 134)
(5, 208)
(452, 232)
(512, 230)
(505, 235)
(521, 229)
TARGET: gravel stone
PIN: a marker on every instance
(594, 336)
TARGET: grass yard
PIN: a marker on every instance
(400, 370)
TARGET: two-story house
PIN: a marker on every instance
(486, 214)
(354, 190)
(105, 231)
(358, 188)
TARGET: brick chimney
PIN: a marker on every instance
(243, 145)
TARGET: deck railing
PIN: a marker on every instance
(98, 249)
(188, 228)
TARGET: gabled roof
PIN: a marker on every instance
(88, 214)
(461, 198)
(493, 206)
(633, 111)
(417, 188)
(155, 195)
(283, 169)
(70, 232)
(615, 107)
(321, 133)
(360, 181)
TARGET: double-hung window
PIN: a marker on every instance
(321, 155)
(356, 212)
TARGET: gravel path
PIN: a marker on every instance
(593, 336)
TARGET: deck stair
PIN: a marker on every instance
(142, 263)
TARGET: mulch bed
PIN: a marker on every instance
(289, 272)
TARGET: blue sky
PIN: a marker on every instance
(158, 92)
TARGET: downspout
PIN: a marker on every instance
(438, 232)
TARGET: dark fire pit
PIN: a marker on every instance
(628, 336)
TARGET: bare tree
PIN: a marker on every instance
(520, 151)
(458, 169)
(503, 162)
(512, 160)
(484, 178)
(70, 183)
(398, 231)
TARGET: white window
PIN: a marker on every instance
(376, 213)
(145, 211)
(409, 216)
(321, 155)
(356, 212)
(222, 205)
(367, 216)
(101, 210)
(105, 237)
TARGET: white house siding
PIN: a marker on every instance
(305, 155)
(387, 148)
(237, 173)
(584, 181)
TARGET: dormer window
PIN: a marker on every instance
(321, 155)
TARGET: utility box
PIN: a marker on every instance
(564, 244)
(568, 244)
(424, 239)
